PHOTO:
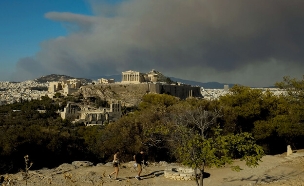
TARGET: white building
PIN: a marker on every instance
(105, 81)
(65, 87)
(132, 77)
(92, 116)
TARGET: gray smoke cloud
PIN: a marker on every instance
(253, 43)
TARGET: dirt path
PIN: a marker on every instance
(272, 171)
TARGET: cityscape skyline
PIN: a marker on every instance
(252, 43)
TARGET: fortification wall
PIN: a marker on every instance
(182, 92)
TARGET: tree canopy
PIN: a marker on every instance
(243, 124)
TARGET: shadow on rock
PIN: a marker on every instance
(152, 174)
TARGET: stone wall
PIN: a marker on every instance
(180, 173)
(182, 91)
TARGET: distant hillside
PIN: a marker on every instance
(208, 85)
(56, 77)
(116, 77)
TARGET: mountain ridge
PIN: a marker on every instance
(58, 77)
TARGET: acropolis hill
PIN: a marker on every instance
(130, 90)
(130, 94)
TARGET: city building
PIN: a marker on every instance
(65, 87)
(105, 81)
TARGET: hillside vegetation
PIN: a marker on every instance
(245, 123)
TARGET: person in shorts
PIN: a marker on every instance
(115, 165)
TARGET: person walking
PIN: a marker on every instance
(115, 165)
(139, 159)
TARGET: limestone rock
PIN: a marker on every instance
(78, 164)
(65, 168)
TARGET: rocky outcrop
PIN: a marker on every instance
(80, 173)
(272, 171)
(131, 94)
(128, 94)
(179, 173)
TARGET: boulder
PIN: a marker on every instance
(78, 164)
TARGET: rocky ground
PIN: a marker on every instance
(275, 170)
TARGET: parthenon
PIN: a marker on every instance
(133, 77)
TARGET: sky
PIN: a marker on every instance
(251, 43)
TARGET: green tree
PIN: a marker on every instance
(57, 95)
(217, 151)
(241, 108)
(198, 143)
(294, 90)
(278, 132)
(157, 99)
(285, 122)
(125, 135)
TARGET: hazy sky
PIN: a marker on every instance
(248, 42)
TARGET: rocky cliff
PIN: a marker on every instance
(131, 94)
(128, 94)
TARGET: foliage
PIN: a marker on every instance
(295, 96)
(241, 108)
(275, 134)
(157, 99)
(219, 150)
(57, 95)
(271, 118)
(285, 122)
(198, 143)
(124, 135)
(194, 131)
(40, 135)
